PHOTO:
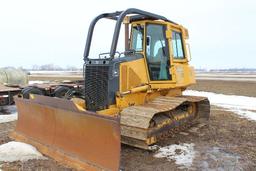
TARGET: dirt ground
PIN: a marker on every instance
(226, 132)
(227, 143)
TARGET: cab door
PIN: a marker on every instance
(184, 73)
(157, 53)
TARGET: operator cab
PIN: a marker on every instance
(152, 42)
(156, 49)
(161, 44)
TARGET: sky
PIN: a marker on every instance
(222, 32)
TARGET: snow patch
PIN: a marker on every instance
(242, 105)
(183, 154)
(8, 114)
(18, 151)
(37, 82)
(8, 118)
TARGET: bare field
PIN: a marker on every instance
(227, 76)
(226, 87)
(227, 143)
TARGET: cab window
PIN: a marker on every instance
(157, 52)
(137, 38)
(177, 46)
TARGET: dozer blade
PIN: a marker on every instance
(81, 139)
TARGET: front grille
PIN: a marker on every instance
(96, 87)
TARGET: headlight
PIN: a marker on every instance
(115, 73)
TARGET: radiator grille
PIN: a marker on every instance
(96, 87)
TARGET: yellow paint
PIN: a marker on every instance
(151, 140)
(136, 88)
(112, 110)
(132, 74)
(80, 103)
(181, 116)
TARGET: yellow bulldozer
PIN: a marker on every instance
(134, 97)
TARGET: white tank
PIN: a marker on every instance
(13, 76)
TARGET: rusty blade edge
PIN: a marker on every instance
(57, 154)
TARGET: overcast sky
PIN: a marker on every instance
(222, 32)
